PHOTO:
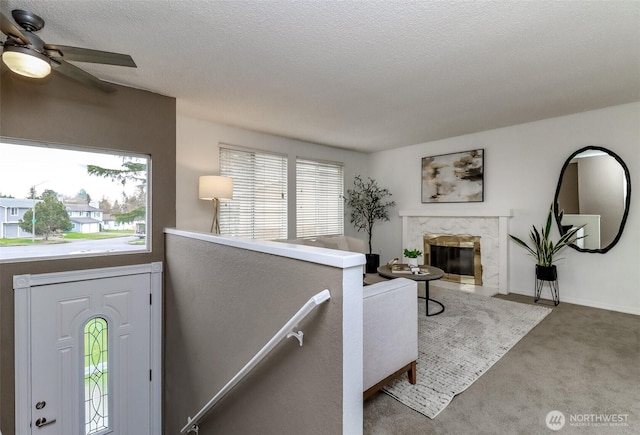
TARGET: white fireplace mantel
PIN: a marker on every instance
(468, 213)
(458, 213)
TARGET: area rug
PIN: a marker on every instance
(456, 347)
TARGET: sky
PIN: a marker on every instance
(61, 170)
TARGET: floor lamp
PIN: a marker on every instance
(215, 188)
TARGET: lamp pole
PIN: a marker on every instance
(33, 218)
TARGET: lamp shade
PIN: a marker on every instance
(215, 186)
(26, 62)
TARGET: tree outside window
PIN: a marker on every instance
(51, 216)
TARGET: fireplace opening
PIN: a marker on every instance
(456, 260)
(458, 255)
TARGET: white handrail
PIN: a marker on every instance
(286, 331)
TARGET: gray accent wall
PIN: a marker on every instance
(223, 304)
(568, 197)
(60, 110)
(600, 184)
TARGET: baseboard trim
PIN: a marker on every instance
(587, 303)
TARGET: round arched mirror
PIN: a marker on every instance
(594, 190)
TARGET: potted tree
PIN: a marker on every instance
(544, 250)
(369, 203)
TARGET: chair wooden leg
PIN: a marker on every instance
(412, 373)
(410, 369)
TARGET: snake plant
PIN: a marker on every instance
(543, 249)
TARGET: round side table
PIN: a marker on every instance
(430, 274)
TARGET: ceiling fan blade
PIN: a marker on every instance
(80, 75)
(8, 28)
(87, 55)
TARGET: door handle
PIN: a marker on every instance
(43, 422)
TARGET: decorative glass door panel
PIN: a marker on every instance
(96, 380)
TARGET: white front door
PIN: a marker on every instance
(91, 357)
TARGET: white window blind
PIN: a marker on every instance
(259, 206)
(319, 198)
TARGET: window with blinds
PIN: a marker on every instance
(259, 206)
(319, 198)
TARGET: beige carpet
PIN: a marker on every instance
(579, 360)
(456, 347)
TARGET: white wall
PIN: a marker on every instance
(197, 154)
(522, 166)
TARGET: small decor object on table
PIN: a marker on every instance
(544, 251)
(408, 269)
(400, 268)
(412, 256)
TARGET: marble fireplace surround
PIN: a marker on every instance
(490, 225)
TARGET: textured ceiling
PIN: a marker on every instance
(362, 75)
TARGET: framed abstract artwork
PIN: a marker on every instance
(455, 177)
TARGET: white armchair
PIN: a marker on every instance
(390, 333)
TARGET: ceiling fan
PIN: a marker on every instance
(28, 55)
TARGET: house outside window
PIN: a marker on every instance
(13, 211)
(319, 198)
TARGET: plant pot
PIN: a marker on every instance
(373, 262)
(546, 273)
(412, 262)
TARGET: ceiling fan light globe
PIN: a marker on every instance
(26, 62)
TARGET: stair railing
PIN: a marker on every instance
(287, 331)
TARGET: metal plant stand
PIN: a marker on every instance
(553, 287)
(550, 275)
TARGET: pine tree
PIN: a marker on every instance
(131, 171)
(134, 207)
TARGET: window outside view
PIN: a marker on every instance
(84, 201)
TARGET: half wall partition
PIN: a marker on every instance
(225, 298)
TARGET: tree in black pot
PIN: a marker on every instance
(369, 203)
(545, 251)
